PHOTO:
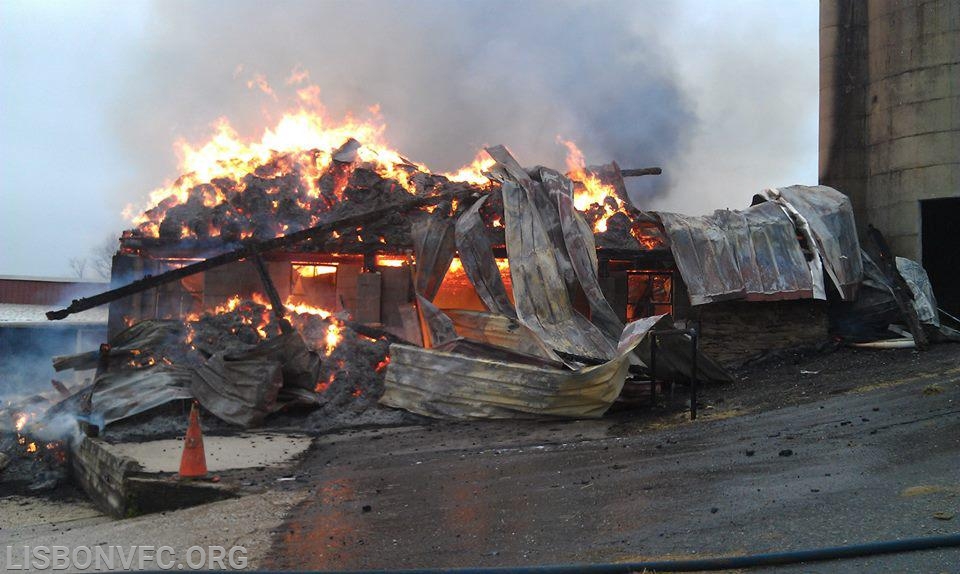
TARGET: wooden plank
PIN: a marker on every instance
(640, 171)
(347, 274)
(395, 293)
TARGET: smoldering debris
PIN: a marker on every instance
(323, 363)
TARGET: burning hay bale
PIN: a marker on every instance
(237, 325)
(290, 192)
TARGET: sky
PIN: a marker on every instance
(94, 94)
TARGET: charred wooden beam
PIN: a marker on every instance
(61, 388)
(640, 171)
(271, 291)
(350, 221)
(87, 360)
(375, 332)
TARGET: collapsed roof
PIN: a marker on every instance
(775, 249)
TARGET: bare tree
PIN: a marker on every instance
(78, 265)
(101, 256)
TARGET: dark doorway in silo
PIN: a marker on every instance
(940, 241)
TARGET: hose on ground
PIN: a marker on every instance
(700, 564)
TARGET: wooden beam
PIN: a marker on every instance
(640, 171)
(271, 290)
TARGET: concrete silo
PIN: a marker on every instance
(890, 125)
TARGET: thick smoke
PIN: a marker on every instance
(723, 97)
(449, 77)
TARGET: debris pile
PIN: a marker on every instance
(237, 361)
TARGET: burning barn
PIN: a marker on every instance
(315, 269)
(338, 278)
(364, 270)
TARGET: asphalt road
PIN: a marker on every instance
(868, 465)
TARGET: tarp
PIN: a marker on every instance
(433, 240)
(751, 254)
(239, 387)
(498, 330)
(434, 247)
(450, 385)
(300, 364)
(867, 317)
(123, 391)
(828, 215)
(704, 257)
(582, 250)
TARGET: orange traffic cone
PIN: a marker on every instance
(193, 463)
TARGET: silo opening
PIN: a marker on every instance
(938, 230)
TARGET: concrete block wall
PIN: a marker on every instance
(890, 109)
(118, 486)
(102, 474)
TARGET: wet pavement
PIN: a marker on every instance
(874, 464)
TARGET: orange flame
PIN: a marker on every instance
(303, 142)
(391, 261)
(332, 338)
(474, 171)
(594, 191)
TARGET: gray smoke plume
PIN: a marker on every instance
(449, 77)
(722, 96)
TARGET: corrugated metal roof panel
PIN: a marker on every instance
(751, 254)
(830, 218)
